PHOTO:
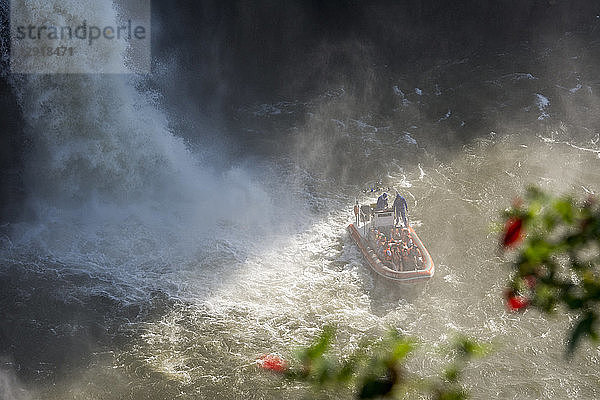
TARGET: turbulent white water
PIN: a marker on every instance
(108, 180)
(118, 206)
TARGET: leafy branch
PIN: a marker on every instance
(557, 244)
(376, 369)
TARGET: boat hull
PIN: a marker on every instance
(377, 266)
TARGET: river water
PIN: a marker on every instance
(146, 271)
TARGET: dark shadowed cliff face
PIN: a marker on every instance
(267, 48)
(12, 145)
(12, 139)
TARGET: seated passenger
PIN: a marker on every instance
(396, 258)
(408, 264)
(382, 202)
(415, 254)
(380, 247)
(405, 237)
(388, 255)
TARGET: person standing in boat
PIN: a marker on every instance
(382, 202)
(400, 210)
(356, 213)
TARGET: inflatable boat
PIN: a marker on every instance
(393, 251)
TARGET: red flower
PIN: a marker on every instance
(513, 232)
(515, 302)
(272, 362)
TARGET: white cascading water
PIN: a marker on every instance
(105, 176)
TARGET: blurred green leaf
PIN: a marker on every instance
(373, 388)
(346, 372)
(564, 208)
(546, 297)
(401, 350)
(451, 374)
(584, 327)
(452, 395)
(550, 221)
(573, 300)
(591, 285)
(537, 251)
(323, 371)
(468, 348)
(320, 346)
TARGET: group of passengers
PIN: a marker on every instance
(399, 252)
